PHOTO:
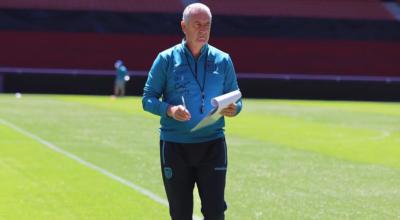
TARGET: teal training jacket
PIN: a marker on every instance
(176, 73)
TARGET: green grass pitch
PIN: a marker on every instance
(287, 159)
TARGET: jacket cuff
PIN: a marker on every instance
(238, 107)
(163, 109)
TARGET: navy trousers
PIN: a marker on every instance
(184, 165)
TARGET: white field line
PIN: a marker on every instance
(142, 190)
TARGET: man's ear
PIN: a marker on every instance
(183, 26)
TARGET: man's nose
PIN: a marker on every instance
(203, 32)
(204, 29)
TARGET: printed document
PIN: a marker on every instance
(218, 104)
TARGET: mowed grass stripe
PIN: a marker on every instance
(361, 144)
(128, 105)
(287, 183)
(336, 128)
(38, 183)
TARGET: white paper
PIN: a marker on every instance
(218, 104)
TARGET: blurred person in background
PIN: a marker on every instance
(187, 76)
(121, 78)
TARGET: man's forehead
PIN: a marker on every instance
(198, 14)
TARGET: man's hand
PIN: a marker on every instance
(229, 111)
(179, 113)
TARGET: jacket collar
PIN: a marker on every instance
(203, 50)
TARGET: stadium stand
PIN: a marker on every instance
(342, 9)
(358, 39)
(345, 9)
(251, 55)
(97, 5)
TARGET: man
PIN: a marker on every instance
(187, 76)
(120, 78)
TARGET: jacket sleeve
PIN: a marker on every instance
(231, 82)
(154, 88)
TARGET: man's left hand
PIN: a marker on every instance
(229, 111)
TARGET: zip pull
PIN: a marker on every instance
(195, 68)
(202, 103)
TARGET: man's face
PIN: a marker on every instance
(197, 30)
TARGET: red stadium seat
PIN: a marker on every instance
(101, 5)
(350, 9)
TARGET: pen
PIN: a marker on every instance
(183, 102)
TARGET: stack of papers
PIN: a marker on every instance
(218, 104)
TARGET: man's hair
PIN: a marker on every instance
(187, 12)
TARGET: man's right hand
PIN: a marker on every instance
(179, 113)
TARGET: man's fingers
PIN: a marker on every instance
(180, 117)
(181, 108)
(229, 111)
(182, 114)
